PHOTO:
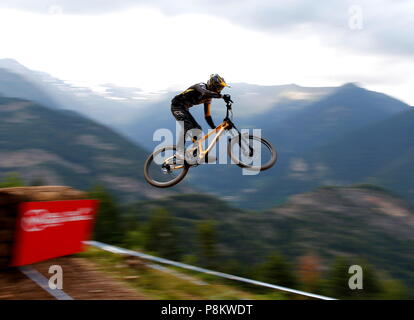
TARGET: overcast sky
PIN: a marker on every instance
(165, 44)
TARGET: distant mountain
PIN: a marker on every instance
(306, 126)
(16, 86)
(362, 222)
(344, 111)
(111, 107)
(382, 153)
(254, 107)
(298, 117)
(137, 114)
(257, 100)
(65, 148)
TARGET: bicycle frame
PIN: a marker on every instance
(218, 131)
(227, 124)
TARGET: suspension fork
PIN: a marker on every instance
(239, 135)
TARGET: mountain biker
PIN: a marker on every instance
(194, 95)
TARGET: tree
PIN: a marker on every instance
(276, 270)
(108, 227)
(309, 271)
(12, 179)
(160, 235)
(133, 239)
(394, 290)
(207, 243)
(339, 276)
(372, 285)
(37, 182)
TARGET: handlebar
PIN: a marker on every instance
(228, 107)
(229, 103)
(227, 99)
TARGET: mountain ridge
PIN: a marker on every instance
(358, 222)
(66, 148)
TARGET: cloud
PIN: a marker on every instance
(386, 24)
(307, 42)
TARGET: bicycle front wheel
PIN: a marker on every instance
(162, 168)
(251, 152)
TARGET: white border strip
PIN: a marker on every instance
(43, 282)
(141, 255)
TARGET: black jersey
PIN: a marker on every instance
(194, 95)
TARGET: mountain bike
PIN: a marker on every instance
(165, 168)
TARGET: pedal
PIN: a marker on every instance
(166, 169)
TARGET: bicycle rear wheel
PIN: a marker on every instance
(163, 170)
(251, 152)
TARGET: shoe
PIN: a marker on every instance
(191, 157)
(186, 156)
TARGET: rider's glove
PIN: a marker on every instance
(227, 98)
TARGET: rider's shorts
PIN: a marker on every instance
(181, 113)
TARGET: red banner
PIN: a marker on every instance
(52, 229)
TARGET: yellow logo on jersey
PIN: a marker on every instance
(188, 90)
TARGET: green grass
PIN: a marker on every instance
(160, 285)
